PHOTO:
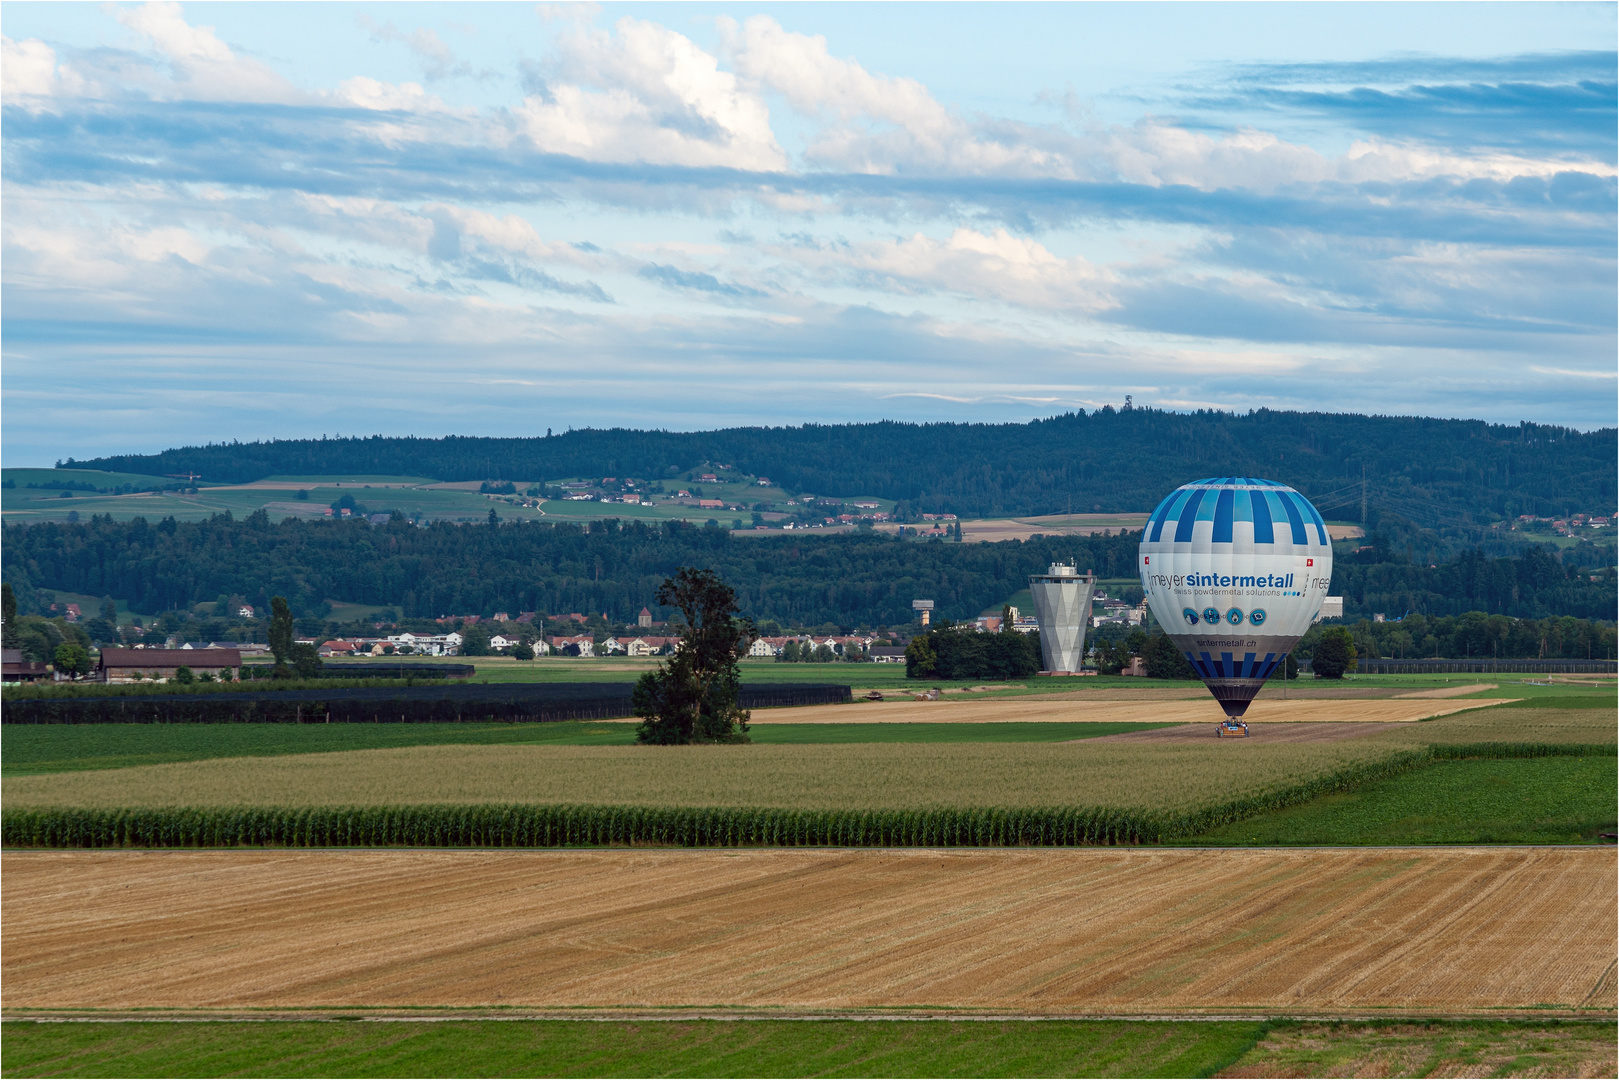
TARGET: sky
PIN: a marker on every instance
(251, 221)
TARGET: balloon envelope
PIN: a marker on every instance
(1235, 569)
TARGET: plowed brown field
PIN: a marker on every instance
(1452, 930)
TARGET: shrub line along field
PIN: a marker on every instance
(1446, 931)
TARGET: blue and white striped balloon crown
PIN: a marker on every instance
(1237, 509)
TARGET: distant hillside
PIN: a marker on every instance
(1435, 474)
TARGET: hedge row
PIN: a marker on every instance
(518, 826)
(440, 702)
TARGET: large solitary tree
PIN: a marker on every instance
(8, 616)
(693, 697)
(1334, 653)
(281, 636)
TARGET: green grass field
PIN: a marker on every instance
(411, 495)
(29, 750)
(792, 1048)
(1562, 800)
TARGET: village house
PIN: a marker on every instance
(767, 646)
(500, 643)
(338, 647)
(576, 645)
(131, 665)
(651, 646)
(16, 669)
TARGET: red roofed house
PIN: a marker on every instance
(580, 645)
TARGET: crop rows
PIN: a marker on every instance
(513, 825)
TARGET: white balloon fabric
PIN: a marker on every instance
(1235, 569)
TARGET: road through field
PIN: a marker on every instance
(1461, 930)
(1069, 710)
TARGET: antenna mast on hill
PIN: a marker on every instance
(1363, 498)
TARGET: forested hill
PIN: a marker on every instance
(1432, 473)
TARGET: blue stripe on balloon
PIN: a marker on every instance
(1223, 507)
(1263, 533)
(1320, 526)
(1244, 509)
(1175, 500)
(1300, 537)
(1183, 528)
(1155, 524)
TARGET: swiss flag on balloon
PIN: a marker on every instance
(1309, 562)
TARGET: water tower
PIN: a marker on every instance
(1062, 604)
(926, 609)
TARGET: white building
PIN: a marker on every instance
(426, 644)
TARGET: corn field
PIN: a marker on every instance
(521, 826)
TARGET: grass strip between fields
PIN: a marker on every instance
(507, 825)
(635, 1048)
(38, 749)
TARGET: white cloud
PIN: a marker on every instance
(1155, 153)
(29, 74)
(203, 66)
(648, 94)
(367, 93)
(995, 266)
(882, 123)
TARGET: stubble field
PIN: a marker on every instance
(1452, 931)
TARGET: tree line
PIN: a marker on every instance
(1438, 473)
(613, 569)
(607, 567)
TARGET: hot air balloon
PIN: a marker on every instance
(1235, 570)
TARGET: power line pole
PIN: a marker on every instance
(1363, 498)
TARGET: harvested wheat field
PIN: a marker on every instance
(1133, 711)
(1452, 931)
(1271, 733)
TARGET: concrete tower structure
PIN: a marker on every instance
(1062, 604)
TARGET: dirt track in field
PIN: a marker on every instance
(1069, 710)
(1285, 733)
(1117, 931)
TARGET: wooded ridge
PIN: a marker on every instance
(1431, 472)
